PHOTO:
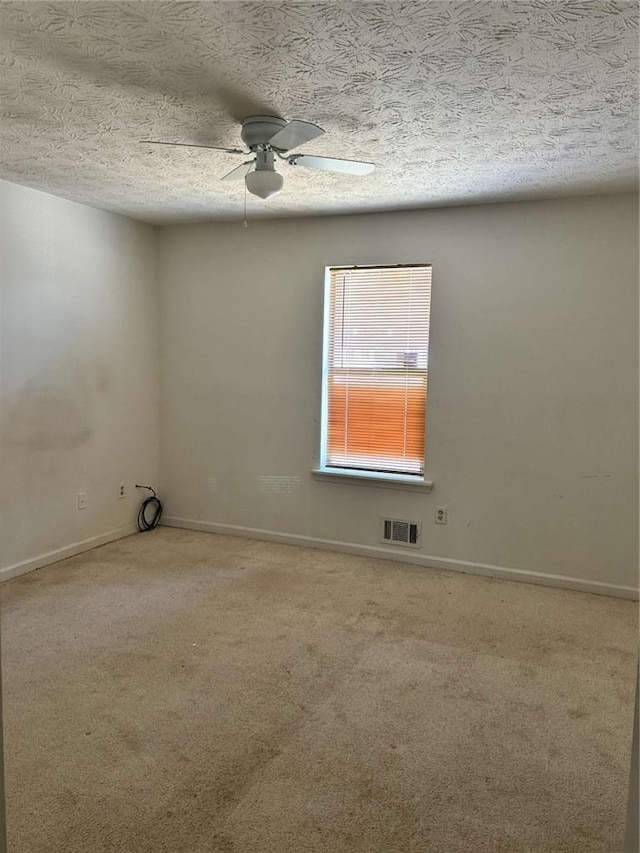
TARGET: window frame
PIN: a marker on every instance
(330, 473)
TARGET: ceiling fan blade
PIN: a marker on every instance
(295, 133)
(239, 172)
(190, 145)
(331, 164)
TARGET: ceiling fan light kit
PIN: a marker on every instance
(264, 181)
(269, 136)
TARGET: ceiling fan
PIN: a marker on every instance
(267, 137)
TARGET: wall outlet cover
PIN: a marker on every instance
(441, 515)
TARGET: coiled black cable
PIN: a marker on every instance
(145, 523)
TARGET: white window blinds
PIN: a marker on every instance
(376, 368)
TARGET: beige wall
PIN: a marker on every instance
(533, 396)
(79, 373)
(532, 422)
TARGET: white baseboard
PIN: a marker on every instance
(68, 551)
(484, 569)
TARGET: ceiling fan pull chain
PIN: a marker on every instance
(245, 224)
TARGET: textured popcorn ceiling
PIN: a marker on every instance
(454, 101)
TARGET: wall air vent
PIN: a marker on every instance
(397, 531)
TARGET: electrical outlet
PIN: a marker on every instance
(82, 500)
(441, 515)
(121, 490)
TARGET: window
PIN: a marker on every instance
(375, 371)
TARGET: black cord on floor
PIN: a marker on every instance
(145, 523)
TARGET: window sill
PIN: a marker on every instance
(377, 479)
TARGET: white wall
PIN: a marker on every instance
(78, 373)
(533, 390)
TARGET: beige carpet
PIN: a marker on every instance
(190, 693)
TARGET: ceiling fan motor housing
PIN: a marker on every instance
(258, 130)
